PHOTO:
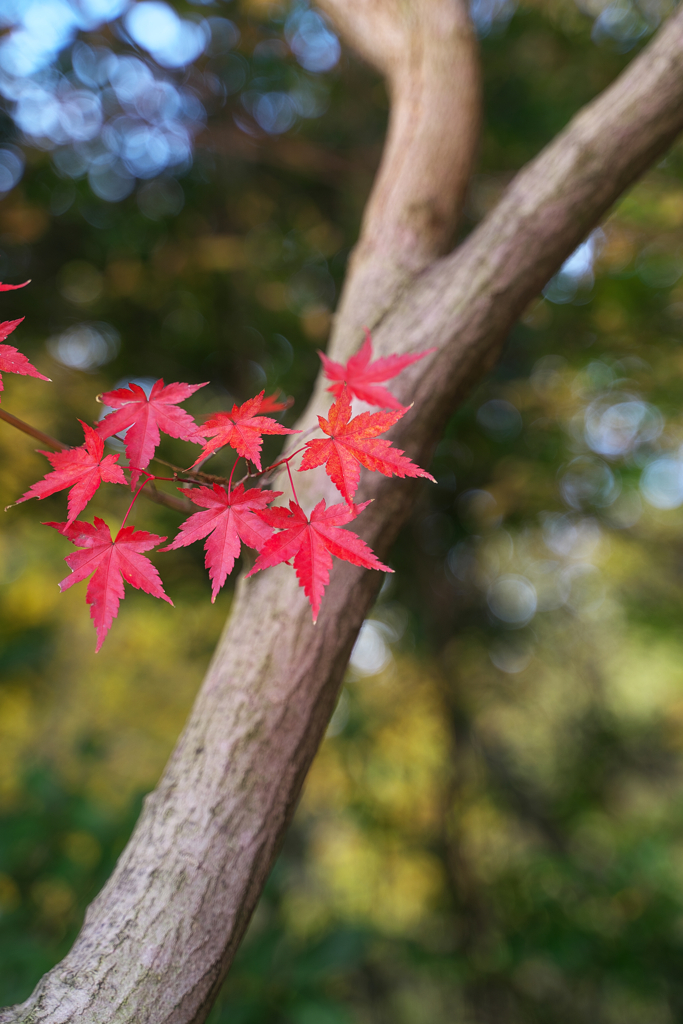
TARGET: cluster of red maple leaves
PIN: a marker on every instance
(230, 515)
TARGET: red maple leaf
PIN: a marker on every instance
(144, 417)
(353, 443)
(312, 542)
(271, 403)
(11, 287)
(361, 375)
(241, 428)
(11, 360)
(82, 469)
(229, 520)
(112, 562)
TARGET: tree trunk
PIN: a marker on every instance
(158, 940)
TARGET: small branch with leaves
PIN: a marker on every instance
(231, 515)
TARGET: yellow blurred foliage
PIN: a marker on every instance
(22, 222)
(9, 894)
(82, 848)
(221, 252)
(375, 879)
(54, 897)
(315, 322)
(125, 276)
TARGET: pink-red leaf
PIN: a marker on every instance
(228, 520)
(145, 417)
(241, 428)
(7, 326)
(82, 469)
(12, 287)
(361, 375)
(11, 360)
(353, 443)
(272, 403)
(112, 562)
(312, 542)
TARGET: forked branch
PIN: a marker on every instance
(158, 940)
(428, 53)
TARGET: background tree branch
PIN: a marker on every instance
(428, 53)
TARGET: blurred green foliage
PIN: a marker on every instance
(493, 829)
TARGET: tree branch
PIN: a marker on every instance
(428, 53)
(149, 491)
(158, 940)
(26, 428)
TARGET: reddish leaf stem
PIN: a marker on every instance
(291, 480)
(282, 462)
(149, 477)
(249, 474)
(232, 473)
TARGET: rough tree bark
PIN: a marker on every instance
(158, 941)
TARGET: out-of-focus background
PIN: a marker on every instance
(493, 829)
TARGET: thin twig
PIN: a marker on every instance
(149, 491)
(39, 435)
(135, 498)
(169, 500)
(208, 478)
